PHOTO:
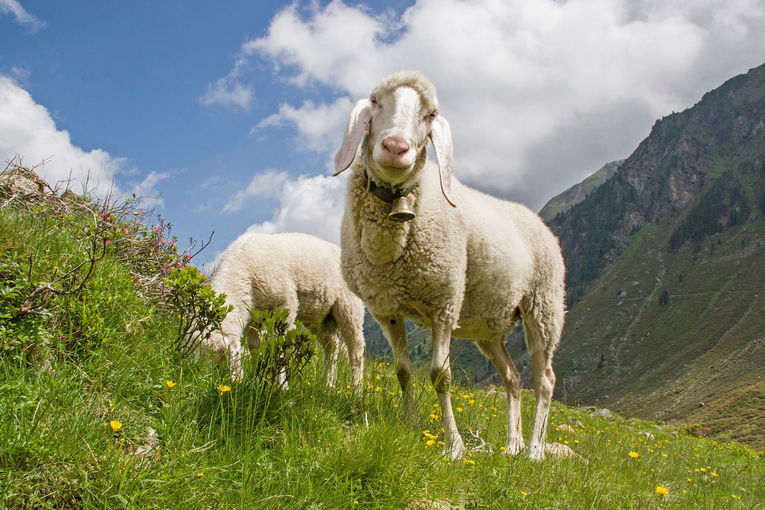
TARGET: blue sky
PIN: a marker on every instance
(229, 113)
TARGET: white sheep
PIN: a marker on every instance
(461, 262)
(295, 272)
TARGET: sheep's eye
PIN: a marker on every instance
(433, 114)
(373, 99)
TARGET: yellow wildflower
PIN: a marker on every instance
(662, 491)
(115, 425)
(459, 409)
(634, 455)
(222, 388)
(430, 442)
(170, 383)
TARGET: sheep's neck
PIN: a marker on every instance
(384, 193)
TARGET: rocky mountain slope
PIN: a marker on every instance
(666, 272)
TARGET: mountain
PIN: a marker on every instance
(666, 272)
(578, 192)
(719, 140)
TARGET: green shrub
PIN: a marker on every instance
(200, 309)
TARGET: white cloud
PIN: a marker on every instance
(319, 127)
(23, 18)
(229, 91)
(268, 184)
(28, 131)
(538, 93)
(146, 189)
(312, 204)
(328, 46)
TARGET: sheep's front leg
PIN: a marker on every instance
(393, 327)
(441, 376)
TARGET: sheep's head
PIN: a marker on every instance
(399, 118)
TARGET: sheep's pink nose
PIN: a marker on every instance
(396, 145)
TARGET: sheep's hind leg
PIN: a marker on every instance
(496, 352)
(393, 327)
(231, 331)
(441, 376)
(544, 383)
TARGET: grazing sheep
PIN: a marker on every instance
(462, 262)
(296, 272)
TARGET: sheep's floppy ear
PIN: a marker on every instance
(441, 137)
(358, 124)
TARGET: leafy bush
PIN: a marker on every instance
(200, 310)
(283, 352)
(58, 281)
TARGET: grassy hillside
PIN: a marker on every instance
(98, 410)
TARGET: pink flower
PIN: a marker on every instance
(186, 256)
(124, 231)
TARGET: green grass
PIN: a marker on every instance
(188, 437)
(324, 448)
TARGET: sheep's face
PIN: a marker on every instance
(398, 122)
(398, 133)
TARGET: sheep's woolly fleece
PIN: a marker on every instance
(296, 272)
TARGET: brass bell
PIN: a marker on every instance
(400, 210)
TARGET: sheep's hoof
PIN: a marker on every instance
(536, 452)
(456, 450)
(514, 446)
